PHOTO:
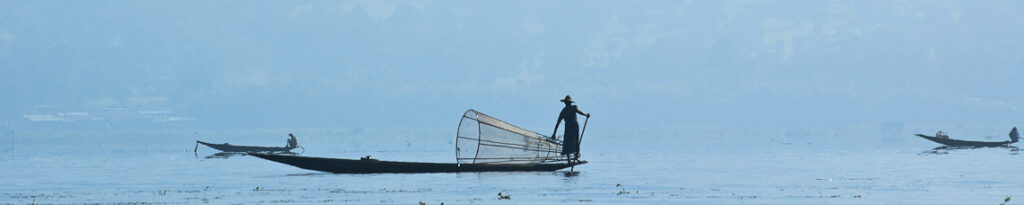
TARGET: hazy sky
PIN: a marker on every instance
(423, 63)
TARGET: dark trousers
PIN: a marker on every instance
(571, 144)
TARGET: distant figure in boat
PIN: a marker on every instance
(1013, 135)
(570, 145)
(292, 141)
(941, 138)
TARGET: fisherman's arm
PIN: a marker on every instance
(581, 112)
(559, 122)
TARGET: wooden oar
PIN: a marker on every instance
(197, 142)
(578, 142)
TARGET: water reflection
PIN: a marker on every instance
(310, 174)
(226, 155)
(941, 150)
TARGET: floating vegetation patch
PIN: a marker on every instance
(622, 190)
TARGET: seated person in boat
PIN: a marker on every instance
(570, 145)
(941, 135)
(292, 141)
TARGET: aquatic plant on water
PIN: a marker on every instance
(622, 190)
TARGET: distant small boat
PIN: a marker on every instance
(225, 147)
(240, 148)
(945, 140)
(366, 165)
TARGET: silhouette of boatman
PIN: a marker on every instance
(570, 145)
(292, 141)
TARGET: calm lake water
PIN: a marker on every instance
(627, 166)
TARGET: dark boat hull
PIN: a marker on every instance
(237, 148)
(334, 165)
(965, 143)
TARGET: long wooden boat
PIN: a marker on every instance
(240, 148)
(335, 165)
(965, 143)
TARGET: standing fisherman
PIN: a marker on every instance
(570, 145)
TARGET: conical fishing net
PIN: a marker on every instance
(485, 139)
